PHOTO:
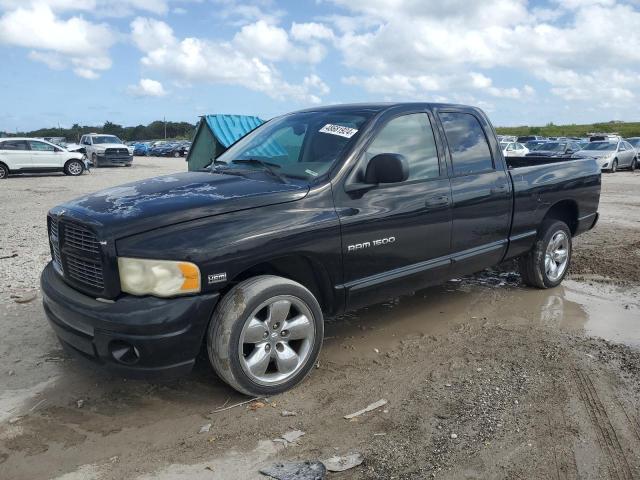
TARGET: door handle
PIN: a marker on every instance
(440, 201)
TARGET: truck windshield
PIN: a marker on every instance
(301, 145)
(106, 139)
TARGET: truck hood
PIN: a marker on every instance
(161, 201)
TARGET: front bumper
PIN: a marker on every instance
(111, 159)
(166, 334)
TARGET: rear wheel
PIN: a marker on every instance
(4, 171)
(265, 335)
(546, 265)
(74, 168)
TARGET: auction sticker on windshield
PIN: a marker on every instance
(339, 130)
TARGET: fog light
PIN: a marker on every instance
(123, 352)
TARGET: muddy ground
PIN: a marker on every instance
(484, 378)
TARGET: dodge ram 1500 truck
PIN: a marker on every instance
(311, 214)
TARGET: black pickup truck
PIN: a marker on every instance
(311, 214)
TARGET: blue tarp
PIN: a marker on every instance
(229, 128)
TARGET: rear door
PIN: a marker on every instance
(396, 237)
(45, 155)
(15, 154)
(481, 191)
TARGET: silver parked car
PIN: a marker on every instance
(611, 155)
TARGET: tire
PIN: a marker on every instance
(94, 160)
(176, 154)
(634, 165)
(4, 171)
(250, 308)
(74, 168)
(614, 166)
(533, 265)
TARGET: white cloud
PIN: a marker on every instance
(147, 87)
(98, 8)
(588, 38)
(73, 41)
(200, 60)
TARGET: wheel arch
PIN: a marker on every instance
(566, 211)
(300, 268)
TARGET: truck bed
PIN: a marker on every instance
(540, 182)
(516, 162)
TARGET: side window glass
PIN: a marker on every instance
(40, 146)
(410, 136)
(469, 148)
(13, 145)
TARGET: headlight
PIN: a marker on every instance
(161, 278)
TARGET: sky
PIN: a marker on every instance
(135, 61)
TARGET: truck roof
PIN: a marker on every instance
(380, 106)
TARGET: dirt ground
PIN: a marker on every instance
(484, 378)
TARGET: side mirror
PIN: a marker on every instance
(387, 168)
(82, 150)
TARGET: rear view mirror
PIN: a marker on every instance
(387, 168)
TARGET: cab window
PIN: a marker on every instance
(411, 136)
(468, 144)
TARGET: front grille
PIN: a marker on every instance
(80, 238)
(77, 255)
(116, 151)
(55, 245)
(84, 271)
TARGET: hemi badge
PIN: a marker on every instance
(217, 278)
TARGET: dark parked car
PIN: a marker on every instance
(311, 214)
(555, 149)
(175, 150)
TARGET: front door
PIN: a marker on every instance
(395, 237)
(44, 155)
(481, 194)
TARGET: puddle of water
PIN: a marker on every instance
(601, 311)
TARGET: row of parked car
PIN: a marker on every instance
(162, 148)
(611, 152)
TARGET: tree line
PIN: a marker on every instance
(153, 131)
(624, 129)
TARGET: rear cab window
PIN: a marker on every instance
(470, 152)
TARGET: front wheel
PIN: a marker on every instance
(4, 172)
(614, 166)
(634, 165)
(546, 265)
(176, 154)
(74, 168)
(265, 335)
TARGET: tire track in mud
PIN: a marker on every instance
(564, 465)
(617, 463)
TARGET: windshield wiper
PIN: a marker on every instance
(267, 166)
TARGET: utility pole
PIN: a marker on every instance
(165, 127)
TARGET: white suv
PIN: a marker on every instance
(21, 155)
(106, 150)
